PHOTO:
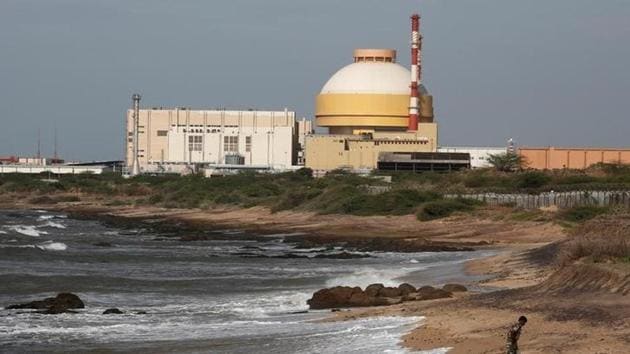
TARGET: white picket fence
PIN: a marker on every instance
(548, 199)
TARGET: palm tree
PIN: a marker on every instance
(506, 162)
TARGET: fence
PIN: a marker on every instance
(548, 199)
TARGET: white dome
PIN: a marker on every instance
(380, 78)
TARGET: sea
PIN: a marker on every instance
(232, 293)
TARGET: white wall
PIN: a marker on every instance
(478, 155)
(271, 146)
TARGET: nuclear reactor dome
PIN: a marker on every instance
(370, 94)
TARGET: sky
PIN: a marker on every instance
(545, 72)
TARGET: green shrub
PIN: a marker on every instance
(582, 213)
(443, 208)
(156, 199)
(532, 179)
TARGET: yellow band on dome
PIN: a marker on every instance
(362, 110)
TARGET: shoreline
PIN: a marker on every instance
(469, 323)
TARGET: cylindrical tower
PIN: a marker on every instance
(135, 167)
(415, 74)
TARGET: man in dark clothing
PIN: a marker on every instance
(513, 334)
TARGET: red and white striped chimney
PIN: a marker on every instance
(415, 73)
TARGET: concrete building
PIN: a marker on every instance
(478, 155)
(365, 106)
(370, 95)
(305, 128)
(550, 158)
(371, 107)
(55, 169)
(172, 140)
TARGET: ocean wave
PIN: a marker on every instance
(54, 224)
(52, 246)
(51, 216)
(28, 230)
(367, 276)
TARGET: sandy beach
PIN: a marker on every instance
(570, 310)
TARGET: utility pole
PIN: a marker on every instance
(39, 143)
(55, 155)
(135, 167)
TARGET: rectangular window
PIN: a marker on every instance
(230, 143)
(162, 132)
(195, 142)
(248, 144)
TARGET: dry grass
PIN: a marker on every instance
(602, 239)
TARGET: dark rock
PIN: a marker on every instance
(38, 304)
(406, 288)
(338, 296)
(102, 244)
(454, 288)
(113, 311)
(389, 292)
(342, 255)
(335, 310)
(373, 289)
(360, 299)
(56, 309)
(431, 293)
(297, 312)
(141, 312)
(69, 300)
(59, 304)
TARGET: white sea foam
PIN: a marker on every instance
(3, 232)
(367, 276)
(54, 224)
(52, 246)
(28, 230)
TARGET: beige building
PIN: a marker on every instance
(361, 152)
(365, 107)
(169, 140)
(550, 158)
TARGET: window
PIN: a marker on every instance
(162, 132)
(230, 143)
(195, 142)
(248, 144)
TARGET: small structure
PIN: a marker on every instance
(478, 155)
(423, 161)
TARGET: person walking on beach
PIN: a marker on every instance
(514, 334)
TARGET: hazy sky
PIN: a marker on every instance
(546, 72)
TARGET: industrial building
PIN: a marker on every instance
(551, 158)
(372, 107)
(178, 139)
(478, 155)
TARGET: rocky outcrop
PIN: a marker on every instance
(113, 311)
(455, 288)
(406, 289)
(373, 295)
(62, 303)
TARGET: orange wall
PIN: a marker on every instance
(573, 158)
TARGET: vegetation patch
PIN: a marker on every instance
(582, 213)
(446, 207)
(602, 239)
